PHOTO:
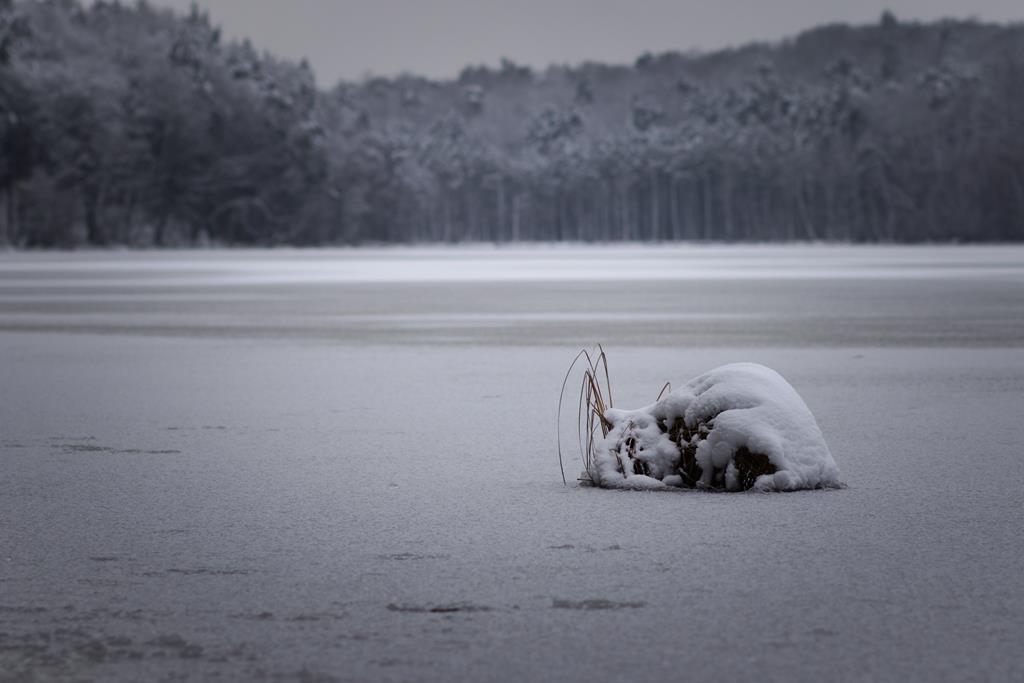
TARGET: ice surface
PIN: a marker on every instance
(665, 295)
(239, 484)
(544, 263)
(737, 408)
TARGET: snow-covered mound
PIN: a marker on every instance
(737, 427)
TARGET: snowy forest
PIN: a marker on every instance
(125, 124)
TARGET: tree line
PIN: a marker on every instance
(131, 125)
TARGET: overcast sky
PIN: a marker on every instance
(353, 38)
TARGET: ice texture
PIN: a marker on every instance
(740, 426)
(335, 481)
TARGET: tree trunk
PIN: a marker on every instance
(9, 215)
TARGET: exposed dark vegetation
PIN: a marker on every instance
(125, 124)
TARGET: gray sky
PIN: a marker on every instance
(353, 38)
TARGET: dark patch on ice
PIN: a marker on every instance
(207, 571)
(171, 532)
(567, 546)
(70, 648)
(359, 637)
(97, 650)
(65, 646)
(175, 645)
(105, 558)
(305, 675)
(136, 451)
(253, 616)
(316, 616)
(102, 583)
(438, 609)
(411, 556)
(62, 444)
(597, 604)
(614, 546)
(84, 448)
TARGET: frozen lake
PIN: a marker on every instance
(339, 465)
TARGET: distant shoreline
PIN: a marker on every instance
(133, 125)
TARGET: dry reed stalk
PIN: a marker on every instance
(590, 416)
